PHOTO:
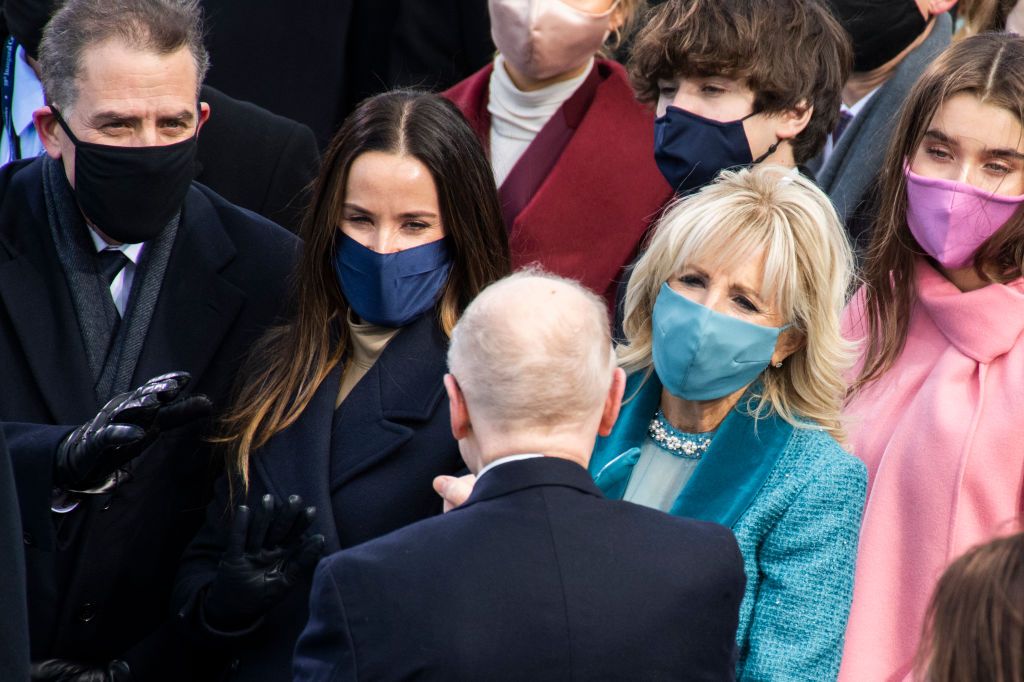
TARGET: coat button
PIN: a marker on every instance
(87, 612)
(29, 540)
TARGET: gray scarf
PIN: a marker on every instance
(112, 349)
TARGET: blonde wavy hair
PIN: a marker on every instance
(771, 213)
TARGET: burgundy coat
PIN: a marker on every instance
(585, 192)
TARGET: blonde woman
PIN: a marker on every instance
(735, 362)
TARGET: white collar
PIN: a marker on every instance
(131, 251)
(506, 460)
(859, 105)
(27, 95)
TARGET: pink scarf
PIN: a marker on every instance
(942, 435)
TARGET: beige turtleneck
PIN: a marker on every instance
(367, 341)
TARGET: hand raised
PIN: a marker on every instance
(268, 551)
(89, 459)
(454, 490)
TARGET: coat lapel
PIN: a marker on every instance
(35, 296)
(404, 386)
(296, 461)
(728, 477)
(197, 305)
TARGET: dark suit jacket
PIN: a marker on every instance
(256, 159)
(589, 213)
(536, 577)
(13, 614)
(366, 467)
(225, 283)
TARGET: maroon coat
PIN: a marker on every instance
(585, 192)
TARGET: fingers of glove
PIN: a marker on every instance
(140, 409)
(59, 670)
(115, 436)
(261, 518)
(302, 524)
(284, 521)
(183, 412)
(238, 532)
(139, 405)
(304, 560)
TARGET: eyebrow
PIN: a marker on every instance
(409, 214)
(940, 136)
(104, 117)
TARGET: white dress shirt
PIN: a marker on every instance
(121, 287)
(505, 460)
(26, 97)
(517, 116)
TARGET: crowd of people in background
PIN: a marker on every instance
(512, 340)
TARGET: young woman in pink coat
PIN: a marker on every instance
(937, 406)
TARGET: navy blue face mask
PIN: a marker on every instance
(690, 150)
(391, 289)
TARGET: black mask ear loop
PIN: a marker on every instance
(64, 125)
(771, 150)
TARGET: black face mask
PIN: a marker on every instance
(131, 193)
(880, 29)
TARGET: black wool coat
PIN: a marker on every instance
(100, 577)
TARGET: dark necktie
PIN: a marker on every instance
(844, 120)
(111, 262)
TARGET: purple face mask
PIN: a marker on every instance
(951, 220)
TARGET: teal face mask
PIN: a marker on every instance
(703, 355)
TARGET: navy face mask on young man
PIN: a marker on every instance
(391, 289)
(131, 193)
(691, 150)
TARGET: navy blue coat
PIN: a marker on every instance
(367, 469)
(536, 577)
(13, 613)
(99, 579)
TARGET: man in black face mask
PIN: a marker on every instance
(115, 267)
(894, 41)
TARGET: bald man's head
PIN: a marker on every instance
(533, 351)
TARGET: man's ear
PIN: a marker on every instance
(461, 426)
(204, 115)
(612, 402)
(46, 127)
(793, 121)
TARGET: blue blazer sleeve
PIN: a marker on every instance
(807, 563)
(325, 651)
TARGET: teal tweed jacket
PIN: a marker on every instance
(794, 499)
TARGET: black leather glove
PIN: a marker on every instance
(92, 457)
(58, 670)
(268, 551)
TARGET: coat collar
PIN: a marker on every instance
(512, 477)
(727, 479)
(982, 324)
(403, 386)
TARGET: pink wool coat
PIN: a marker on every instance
(941, 435)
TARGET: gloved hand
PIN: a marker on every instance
(59, 670)
(90, 459)
(268, 551)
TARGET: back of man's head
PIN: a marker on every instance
(159, 26)
(533, 353)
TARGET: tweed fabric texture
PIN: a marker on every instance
(799, 544)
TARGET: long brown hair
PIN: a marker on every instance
(291, 360)
(990, 67)
(975, 624)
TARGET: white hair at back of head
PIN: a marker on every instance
(533, 350)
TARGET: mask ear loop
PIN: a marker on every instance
(771, 150)
(64, 125)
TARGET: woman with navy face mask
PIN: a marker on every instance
(935, 410)
(731, 411)
(341, 422)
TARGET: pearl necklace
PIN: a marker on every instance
(687, 445)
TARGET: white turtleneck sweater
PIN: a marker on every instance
(517, 116)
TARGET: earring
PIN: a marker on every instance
(777, 365)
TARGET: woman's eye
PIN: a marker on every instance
(358, 219)
(938, 153)
(746, 304)
(1000, 168)
(416, 225)
(692, 280)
